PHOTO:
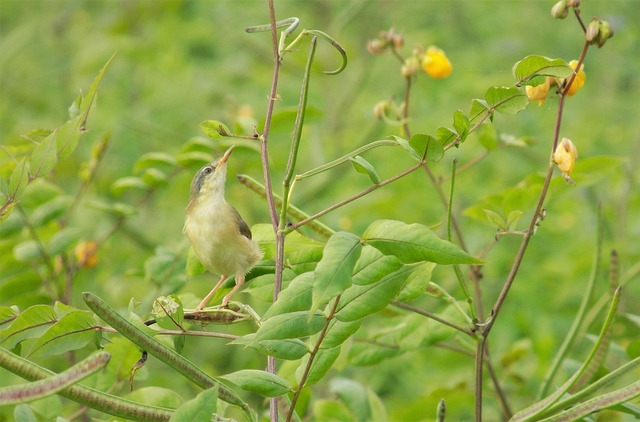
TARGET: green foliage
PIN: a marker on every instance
(405, 275)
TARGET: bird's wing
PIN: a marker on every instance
(242, 225)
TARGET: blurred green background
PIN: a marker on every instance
(179, 63)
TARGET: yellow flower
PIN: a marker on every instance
(565, 156)
(578, 82)
(539, 92)
(86, 254)
(436, 64)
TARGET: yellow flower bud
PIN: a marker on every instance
(539, 92)
(436, 64)
(578, 82)
(380, 109)
(560, 9)
(565, 156)
(86, 254)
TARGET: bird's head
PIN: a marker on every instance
(210, 179)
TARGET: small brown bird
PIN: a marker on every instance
(219, 236)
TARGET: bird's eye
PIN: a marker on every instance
(207, 170)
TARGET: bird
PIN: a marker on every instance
(219, 237)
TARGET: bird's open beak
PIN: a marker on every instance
(226, 155)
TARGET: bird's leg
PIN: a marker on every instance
(211, 293)
(239, 283)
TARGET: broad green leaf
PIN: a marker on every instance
(193, 159)
(119, 209)
(363, 166)
(461, 124)
(414, 243)
(331, 410)
(31, 323)
(496, 219)
(360, 301)
(73, 331)
(354, 395)
(259, 382)
(417, 282)
(155, 159)
(63, 240)
(51, 210)
(445, 136)
(533, 69)
(323, 361)
(506, 100)
(197, 144)
(154, 177)
(365, 354)
(488, 136)
(67, 136)
(8, 313)
(198, 409)
(44, 157)
(427, 146)
(10, 226)
(27, 251)
(296, 297)
(215, 129)
(333, 273)
(339, 332)
(288, 349)
(128, 183)
(19, 179)
(23, 413)
(513, 218)
(373, 265)
(194, 266)
(290, 325)
(478, 108)
(406, 146)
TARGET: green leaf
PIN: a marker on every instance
(532, 70)
(291, 325)
(332, 410)
(506, 100)
(73, 331)
(89, 99)
(194, 266)
(119, 209)
(461, 124)
(339, 331)
(354, 395)
(168, 312)
(365, 354)
(488, 136)
(360, 301)
(193, 159)
(406, 146)
(215, 129)
(63, 240)
(67, 136)
(198, 409)
(154, 177)
(427, 146)
(373, 265)
(288, 349)
(26, 251)
(51, 210)
(31, 323)
(496, 219)
(296, 297)
(417, 282)
(259, 382)
(478, 108)
(363, 166)
(124, 184)
(414, 243)
(19, 179)
(333, 272)
(155, 159)
(513, 218)
(445, 136)
(323, 361)
(44, 157)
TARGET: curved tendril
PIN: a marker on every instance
(335, 44)
(291, 22)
